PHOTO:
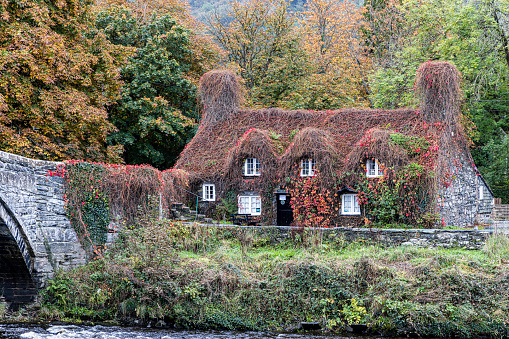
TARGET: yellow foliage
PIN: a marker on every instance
(330, 34)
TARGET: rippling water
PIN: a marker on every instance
(115, 332)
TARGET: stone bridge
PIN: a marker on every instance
(36, 238)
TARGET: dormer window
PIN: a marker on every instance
(209, 192)
(307, 167)
(373, 169)
(350, 205)
(251, 167)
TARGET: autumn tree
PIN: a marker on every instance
(56, 81)
(156, 114)
(259, 39)
(330, 31)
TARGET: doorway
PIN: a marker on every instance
(284, 210)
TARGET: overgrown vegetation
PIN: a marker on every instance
(199, 277)
(99, 197)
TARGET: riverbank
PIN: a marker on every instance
(197, 277)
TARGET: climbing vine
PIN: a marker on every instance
(101, 197)
(397, 196)
(86, 201)
(313, 205)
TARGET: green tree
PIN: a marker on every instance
(204, 54)
(155, 115)
(464, 32)
(490, 151)
(56, 82)
(473, 35)
(496, 171)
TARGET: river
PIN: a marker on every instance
(115, 332)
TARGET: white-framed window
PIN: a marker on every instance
(251, 167)
(209, 192)
(350, 204)
(307, 167)
(373, 169)
(250, 204)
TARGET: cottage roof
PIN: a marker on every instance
(294, 134)
(339, 140)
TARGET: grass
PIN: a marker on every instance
(199, 277)
(497, 248)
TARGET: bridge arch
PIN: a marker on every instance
(36, 237)
(17, 284)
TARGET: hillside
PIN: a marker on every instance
(203, 9)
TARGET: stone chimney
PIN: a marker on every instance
(437, 86)
(221, 94)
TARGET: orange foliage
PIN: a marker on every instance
(55, 82)
(330, 31)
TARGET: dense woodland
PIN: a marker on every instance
(115, 80)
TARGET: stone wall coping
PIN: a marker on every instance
(361, 230)
(34, 162)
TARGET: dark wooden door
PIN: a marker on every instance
(284, 210)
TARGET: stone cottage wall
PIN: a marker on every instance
(459, 202)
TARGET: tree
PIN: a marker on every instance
(462, 32)
(155, 115)
(56, 82)
(473, 35)
(284, 79)
(260, 40)
(330, 31)
(383, 30)
(204, 54)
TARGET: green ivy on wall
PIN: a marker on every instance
(88, 207)
(86, 201)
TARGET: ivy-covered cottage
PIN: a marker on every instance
(336, 168)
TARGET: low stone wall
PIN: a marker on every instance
(437, 238)
(468, 239)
